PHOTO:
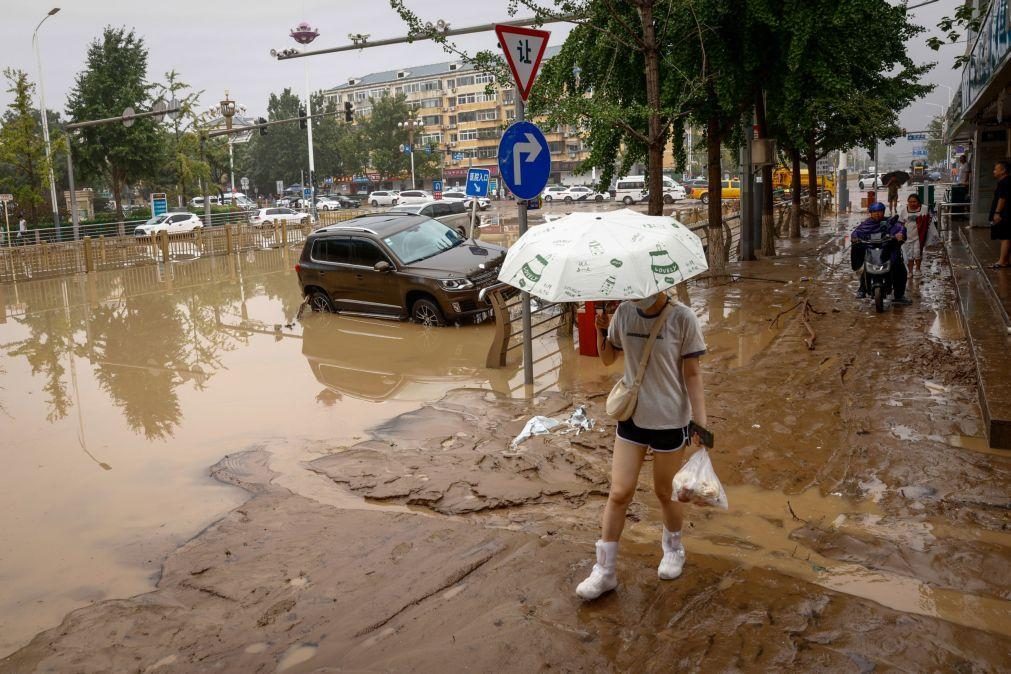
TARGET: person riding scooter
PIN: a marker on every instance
(875, 224)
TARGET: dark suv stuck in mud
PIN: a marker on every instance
(391, 265)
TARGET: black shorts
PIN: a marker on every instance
(657, 439)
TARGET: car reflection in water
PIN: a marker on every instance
(377, 360)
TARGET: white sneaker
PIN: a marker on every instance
(602, 578)
(673, 561)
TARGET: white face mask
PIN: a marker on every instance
(645, 303)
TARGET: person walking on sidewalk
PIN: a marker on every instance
(919, 233)
(1000, 213)
(670, 397)
(893, 195)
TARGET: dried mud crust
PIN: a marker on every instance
(842, 449)
(366, 590)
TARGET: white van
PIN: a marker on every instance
(241, 200)
(631, 189)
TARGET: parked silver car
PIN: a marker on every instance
(169, 222)
(452, 214)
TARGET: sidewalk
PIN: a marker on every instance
(984, 304)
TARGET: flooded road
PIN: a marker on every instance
(387, 524)
(119, 389)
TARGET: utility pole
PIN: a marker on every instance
(521, 215)
(304, 34)
(45, 124)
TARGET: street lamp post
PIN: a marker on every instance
(45, 122)
(227, 108)
(304, 34)
(412, 123)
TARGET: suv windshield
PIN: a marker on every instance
(424, 240)
(409, 208)
(156, 219)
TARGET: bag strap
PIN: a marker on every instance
(649, 345)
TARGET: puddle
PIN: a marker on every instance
(296, 655)
(128, 385)
(258, 647)
(947, 325)
(756, 532)
(975, 444)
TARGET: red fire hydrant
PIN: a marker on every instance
(586, 317)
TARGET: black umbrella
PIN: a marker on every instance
(901, 176)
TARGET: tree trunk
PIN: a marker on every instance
(714, 232)
(117, 191)
(795, 195)
(812, 181)
(768, 210)
(655, 145)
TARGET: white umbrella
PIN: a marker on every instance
(617, 255)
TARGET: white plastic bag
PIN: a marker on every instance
(535, 426)
(697, 483)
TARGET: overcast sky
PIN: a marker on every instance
(225, 45)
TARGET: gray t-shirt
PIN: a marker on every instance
(663, 398)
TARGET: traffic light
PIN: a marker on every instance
(262, 123)
(349, 112)
(312, 178)
(302, 121)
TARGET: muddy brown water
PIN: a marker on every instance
(868, 525)
(119, 389)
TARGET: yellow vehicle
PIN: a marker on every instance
(782, 178)
(731, 189)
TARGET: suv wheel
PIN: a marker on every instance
(375, 203)
(320, 301)
(548, 198)
(427, 312)
(628, 201)
(668, 199)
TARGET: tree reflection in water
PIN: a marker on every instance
(143, 334)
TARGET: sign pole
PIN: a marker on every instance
(521, 215)
(7, 221)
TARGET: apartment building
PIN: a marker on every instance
(459, 117)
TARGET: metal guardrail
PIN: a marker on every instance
(52, 252)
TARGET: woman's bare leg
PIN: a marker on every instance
(625, 465)
(665, 467)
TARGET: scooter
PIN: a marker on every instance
(877, 273)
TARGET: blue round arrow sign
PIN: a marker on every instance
(524, 159)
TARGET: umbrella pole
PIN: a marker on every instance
(521, 206)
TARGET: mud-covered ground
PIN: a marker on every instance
(868, 527)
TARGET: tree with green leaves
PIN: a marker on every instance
(183, 166)
(115, 78)
(385, 136)
(838, 90)
(22, 148)
(937, 151)
(967, 19)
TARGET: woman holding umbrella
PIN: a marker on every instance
(671, 396)
(625, 255)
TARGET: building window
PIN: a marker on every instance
(360, 96)
(484, 78)
(556, 146)
(453, 66)
(470, 134)
(431, 139)
(509, 97)
(486, 115)
(431, 103)
(466, 117)
(487, 152)
(464, 81)
(432, 120)
(452, 138)
(489, 132)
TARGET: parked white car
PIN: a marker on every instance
(457, 196)
(169, 222)
(414, 197)
(554, 192)
(581, 193)
(268, 216)
(327, 204)
(867, 182)
(383, 198)
(630, 189)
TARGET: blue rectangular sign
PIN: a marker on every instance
(436, 185)
(477, 182)
(457, 156)
(919, 152)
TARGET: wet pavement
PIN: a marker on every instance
(389, 526)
